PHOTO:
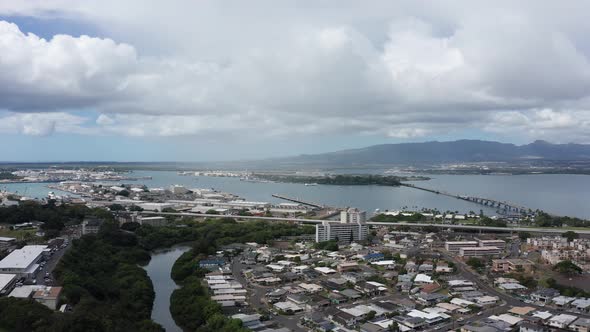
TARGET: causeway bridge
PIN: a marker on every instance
(300, 201)
(502, 206)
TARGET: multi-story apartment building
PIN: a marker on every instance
(351, 228)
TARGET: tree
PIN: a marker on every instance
(567, 267)
(116, 207)
(570, 235)
(524, 235)
(475, 263)
(123, 192)
(393, 327)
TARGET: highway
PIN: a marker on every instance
(372, 223)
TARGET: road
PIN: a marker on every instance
(509, 300)
(545, 230)
(50, 264)
(257, 294)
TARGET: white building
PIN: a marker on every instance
(6, 282)
(492, 243)
(353, 215)
(455, 246)
(23, 262)
(352, 227)
(342, 232)
(153, 221)
(479, 251)
(178, 189)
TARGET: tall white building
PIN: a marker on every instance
(353, 215)
(351, 228)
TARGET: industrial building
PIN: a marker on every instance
(23, 262)
(7, 281)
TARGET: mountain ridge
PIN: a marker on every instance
(445, 151)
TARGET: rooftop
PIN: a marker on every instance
(22, 258)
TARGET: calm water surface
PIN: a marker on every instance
(158, 270)
(559, 194)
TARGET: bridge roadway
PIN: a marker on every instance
(546, 230)
(501, 205)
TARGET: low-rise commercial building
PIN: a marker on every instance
(479, 251)
(455, 246)
(23, 262)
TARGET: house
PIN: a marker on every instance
(512, 265)
(562, 321)
(430, 318)
(351, 294)
(48, 296)
(422, 279)
(371, 288)
(353, 277)
(532, 327)
(287, 307)
(443, 268)
(580, 325)
(414, 323)
(91, 225)
(563, 301)
(581, 304)
(335, 283)
(508, 319)
(542, 315)
(426, 268)
(310, 288)
(347, 266)
(250, 322)
(544, 295)
(387, 264)
(275, 295)
(487, 300)
(411, 267)
(478, 328)
(343, 318)
(370, 327)
(430, 298)
(336, 298)
(325, 270)
(521, 311)
(211, 264)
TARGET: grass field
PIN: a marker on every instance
(18, 234)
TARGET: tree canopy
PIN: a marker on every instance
(567, 267)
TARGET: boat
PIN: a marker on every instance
(311, 184)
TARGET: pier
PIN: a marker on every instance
(300, 201)
(502, 206)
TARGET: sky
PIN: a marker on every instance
(184, 80)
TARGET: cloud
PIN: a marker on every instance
(42, 124)
(402, 70)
